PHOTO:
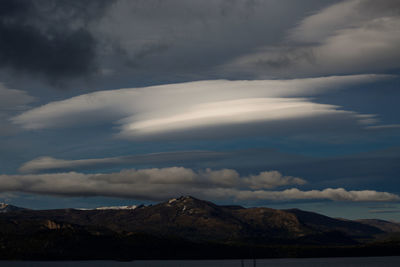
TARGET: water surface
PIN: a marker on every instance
(315, 262)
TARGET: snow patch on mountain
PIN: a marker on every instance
(131, 207)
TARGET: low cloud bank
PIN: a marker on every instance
(162, 183)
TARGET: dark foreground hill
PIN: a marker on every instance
(187, 228)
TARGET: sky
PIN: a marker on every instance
(283, 104)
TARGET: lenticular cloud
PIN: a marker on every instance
(247, 106)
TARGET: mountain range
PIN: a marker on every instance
(187, 227)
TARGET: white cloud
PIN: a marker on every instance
(253, 110)
(156, 184)
(356, 36)
(271, 179)
(177, 108)
(49, 163)
(335, 194)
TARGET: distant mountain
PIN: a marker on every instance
(199, 220)
(184, 227)
(386, 226)
(7, 208)
(323, 223)
(131, 207)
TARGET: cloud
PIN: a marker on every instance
(49, 38)
(357, 36)
(271, 179)
(377, 169)
(223, 108)
(155, 183)
(96, 43)
(253, 110)
(162, 183)
(342, 15)
(337, 194)
(164, 41)
(185, 40)
(383, 127)
(12, 101)
(48, 163)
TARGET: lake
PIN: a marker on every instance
(315, 262)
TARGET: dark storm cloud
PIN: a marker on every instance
(188, 40)
(49, 38)
(118, 40)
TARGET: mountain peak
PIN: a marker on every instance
(187, 197)
(189, 204)
(182, 199)
(4, 207)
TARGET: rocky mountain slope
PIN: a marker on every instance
(386, 226)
